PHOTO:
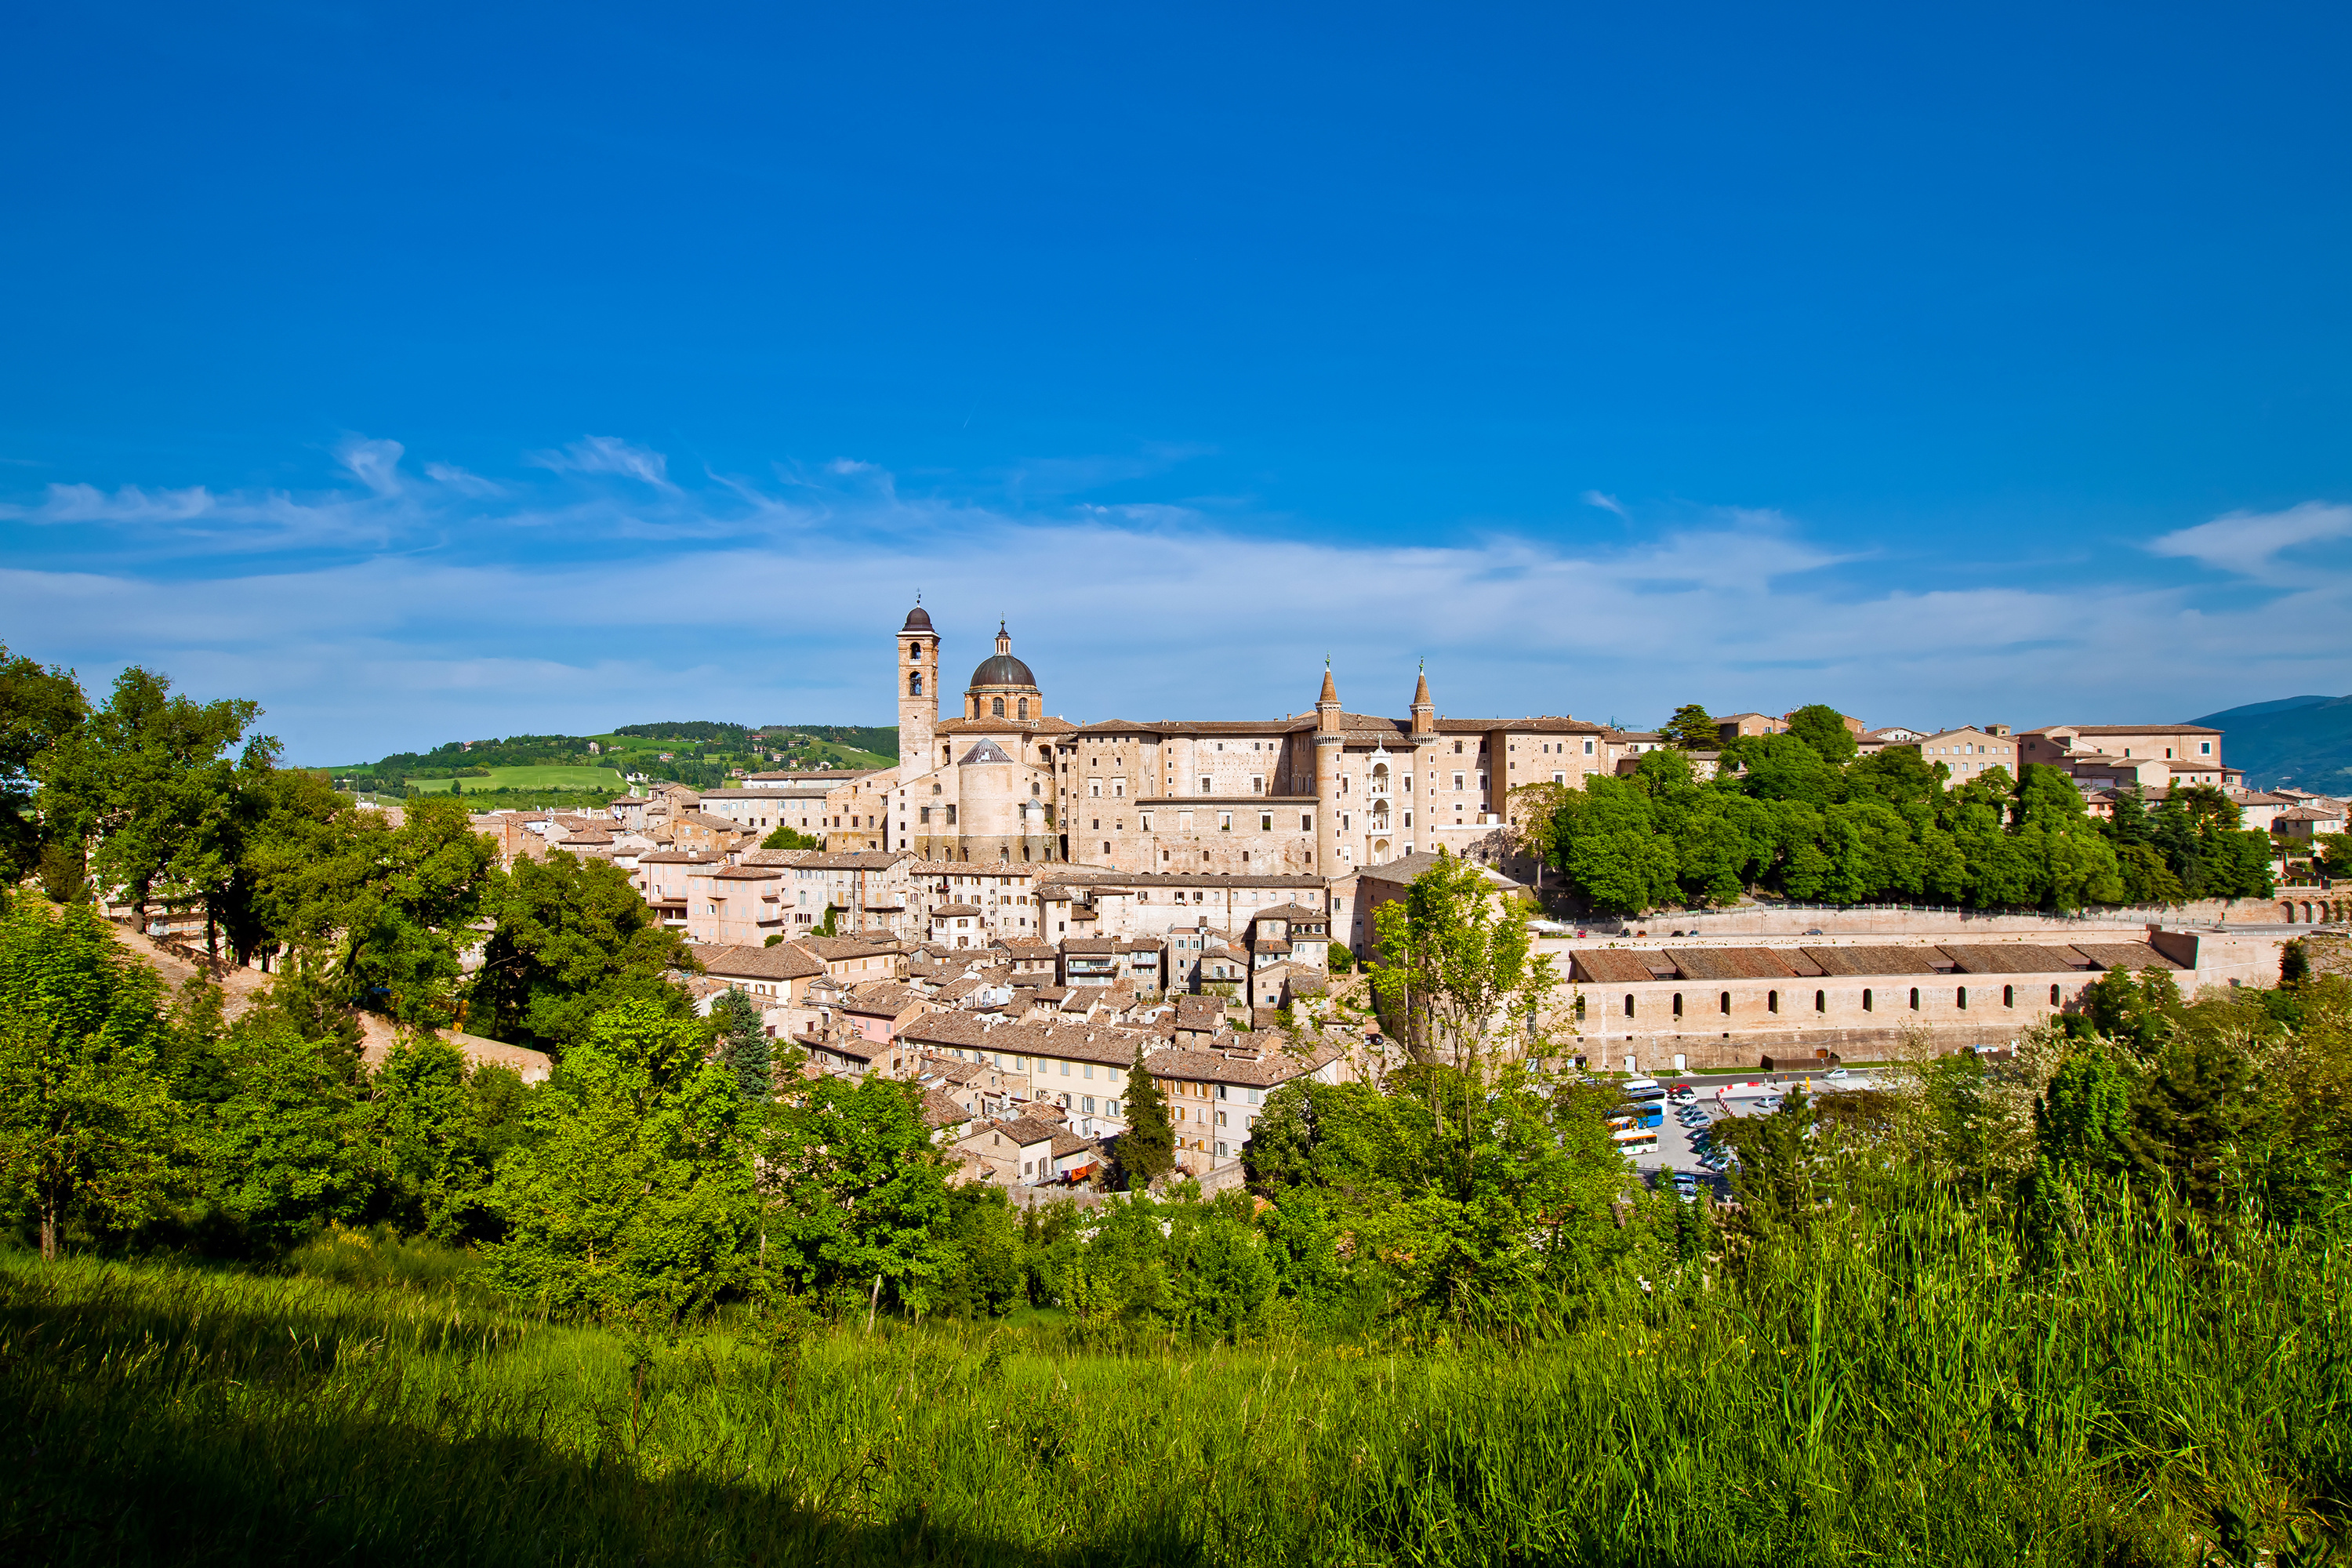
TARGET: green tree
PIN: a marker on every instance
(1387, 1196)
(2140, 1011)
(743, 1045)
(1781, 1177)
(1147, 1149)
(2082, 1124)
(854, 1190)
(630, 1195)
(572, 938)
(791, 838)
(373, 914)
(429, 1139)
(87, 1130)
(1823, 729)
(1458, 970)
(38, 708)
(2187, 1110)
(1691, 728)
(288, 1152)
(147, 781)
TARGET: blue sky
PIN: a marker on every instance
(433, 373)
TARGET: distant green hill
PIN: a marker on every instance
(2305, 742)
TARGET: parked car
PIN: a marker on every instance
(1836, 1075)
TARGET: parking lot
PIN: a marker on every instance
(1721, 1096)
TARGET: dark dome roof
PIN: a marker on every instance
(918, 619)
(1003, 669)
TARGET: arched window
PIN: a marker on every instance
(1914, 998)
(1024, 708)
(1579, 1009)
(1865, 1001)
(2009, 995)
(1771, 1001)
(915, 652)
(1820, 1001)
(975, 707)
(915, 684)
(1727, 1004)
(996, 707)
(2053, 996)
(1629, 1004)
(1678, 1004)
(1960, 996)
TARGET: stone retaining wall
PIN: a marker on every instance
(1762, 919)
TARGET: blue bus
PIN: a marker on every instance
(1636, 1115)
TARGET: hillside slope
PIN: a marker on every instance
(2305, 742)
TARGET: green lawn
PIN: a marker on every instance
(533, 778)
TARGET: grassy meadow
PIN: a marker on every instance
(1910, 1389)
(537, 778)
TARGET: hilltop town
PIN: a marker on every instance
(1024, 908)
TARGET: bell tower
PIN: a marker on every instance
(918, 675)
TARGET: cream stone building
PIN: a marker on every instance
(1319, 793)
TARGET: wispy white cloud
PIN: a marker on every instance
(607, 455)
(2249, 543)
(757, 605)
(1606, 503)
(375, 464)
(463, 483)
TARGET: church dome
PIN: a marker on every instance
(918, 619)
(1003, 669)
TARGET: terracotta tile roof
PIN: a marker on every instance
(1255, 1061)
(963, 1030)
(1616, 966)
(786, 961)
(881, 999)
(2010, 958)
(1021, 1132)
(1730, 964)
(1862, 962)
(938, 1110)
(2131, 955)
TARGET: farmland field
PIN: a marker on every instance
(532, 778)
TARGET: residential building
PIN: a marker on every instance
(1969, 752)
(1216, 1094)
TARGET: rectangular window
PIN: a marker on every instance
(1087, 1103)
(1257, 783)
(1094, 789)
(1208, 786)
(1119, 789)
(1110, 1108)
(1065, 1069)
(1265, 822)
(1087, 1071)
(1224, 821)
(1457, 781)
(1306, 822)
(1146, 828)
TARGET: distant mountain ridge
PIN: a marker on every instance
(2305, 742)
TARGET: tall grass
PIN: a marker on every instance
(1908, 1387)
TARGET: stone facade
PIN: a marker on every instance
(1319, 794)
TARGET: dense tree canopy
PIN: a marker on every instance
(1782, 818)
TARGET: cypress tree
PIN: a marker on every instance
(1148, 1149)
(743, 1046)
